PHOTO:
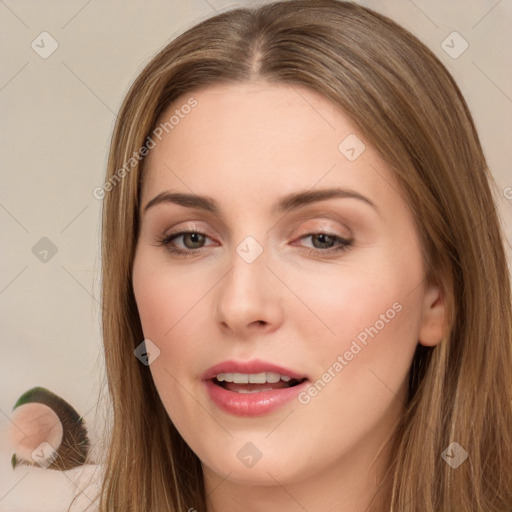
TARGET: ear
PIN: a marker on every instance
(433, 321)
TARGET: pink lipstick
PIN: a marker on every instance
(252, 388)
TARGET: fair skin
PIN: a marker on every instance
(247, 146)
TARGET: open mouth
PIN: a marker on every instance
(254, 383)
(253, 390)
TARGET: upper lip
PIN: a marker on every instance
(252, 366)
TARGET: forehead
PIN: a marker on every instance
(255, 138)
(262, 112)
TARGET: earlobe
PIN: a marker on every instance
(433, 322)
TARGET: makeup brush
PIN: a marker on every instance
(46, 431)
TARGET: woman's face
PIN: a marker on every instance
(278, 282)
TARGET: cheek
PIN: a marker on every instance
(370, 318)
(168, 308)
(165, 297)
(348, 304)
(173, 310)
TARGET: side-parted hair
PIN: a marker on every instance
(407, 106)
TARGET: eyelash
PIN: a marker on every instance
(165, 241)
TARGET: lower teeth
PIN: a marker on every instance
(253, 391)
(290, 384)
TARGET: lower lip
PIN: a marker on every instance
(252, 404)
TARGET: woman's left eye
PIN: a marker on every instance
(340, 243)
(194, 240)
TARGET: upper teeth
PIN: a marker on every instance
(253, 378)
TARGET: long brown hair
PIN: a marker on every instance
(407, 105)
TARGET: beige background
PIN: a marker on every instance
(57, 115)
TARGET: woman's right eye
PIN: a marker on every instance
(195, 237)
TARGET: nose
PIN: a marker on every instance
(248, 300)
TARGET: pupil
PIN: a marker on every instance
(194, 237)
(323, 237)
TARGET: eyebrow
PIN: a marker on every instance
(285, 204)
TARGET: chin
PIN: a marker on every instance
(266, 471)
